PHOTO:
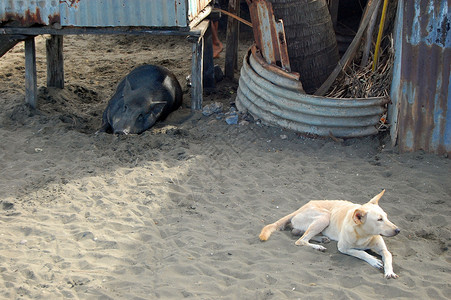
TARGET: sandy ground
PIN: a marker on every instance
(175, 212)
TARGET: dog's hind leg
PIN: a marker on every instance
(278, 225)
(317, 238)
(320, 239)
(315, 228)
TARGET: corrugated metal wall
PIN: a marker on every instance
(103, 13)
(93, 13)
(421, 89)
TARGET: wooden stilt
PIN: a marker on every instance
(209, 67)
(55, 61)
(197, 65)
(232, 40)
(196, 75)
(31, 95)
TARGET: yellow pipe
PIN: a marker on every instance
(379, 35)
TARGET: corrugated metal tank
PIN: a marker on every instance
(103, 13)
(421, 89)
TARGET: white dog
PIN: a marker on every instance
(356, 228)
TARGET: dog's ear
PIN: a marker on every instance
(359, 216)
(376, 198)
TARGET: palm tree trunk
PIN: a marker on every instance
(311, 41)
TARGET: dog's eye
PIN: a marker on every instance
(380, 219)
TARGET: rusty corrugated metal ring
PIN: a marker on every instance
(260, 94)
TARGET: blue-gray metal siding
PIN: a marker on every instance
(99, 13)
(421, 89)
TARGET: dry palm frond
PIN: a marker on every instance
(357, 82)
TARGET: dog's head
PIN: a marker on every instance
(373, 220)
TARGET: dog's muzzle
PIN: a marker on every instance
(392, 233)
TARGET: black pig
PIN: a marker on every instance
(147, 94)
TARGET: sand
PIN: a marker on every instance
(175, 212)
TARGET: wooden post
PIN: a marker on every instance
(197, 65)
(31, 95)
(209, 67)
(231, 58)
(55, 62)
(196, 74)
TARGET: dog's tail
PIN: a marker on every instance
(279, 225)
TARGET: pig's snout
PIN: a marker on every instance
(121, 131)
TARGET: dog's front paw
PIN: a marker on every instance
(319, 247)
(377, 263)
(389, 275)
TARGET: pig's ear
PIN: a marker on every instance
(127, 87)
(157, 107)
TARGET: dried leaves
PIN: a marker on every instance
(358, 82)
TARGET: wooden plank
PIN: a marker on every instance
(231, 58)
(55, 62)
(198, 31)
(31, 94)
(197, 75)
(195, 31)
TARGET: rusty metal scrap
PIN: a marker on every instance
(291, 77)
(269, 35)
(28, 13)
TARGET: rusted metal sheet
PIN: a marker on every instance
(269, 35)
(98, 13)
(256, 54)
(29, 12)
(421, 89)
